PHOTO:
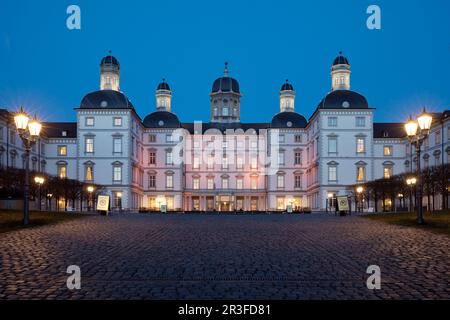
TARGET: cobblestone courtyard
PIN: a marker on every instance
(223, 257)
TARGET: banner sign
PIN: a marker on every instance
(343, 204)
(103, 203)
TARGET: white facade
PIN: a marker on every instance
(223, 165)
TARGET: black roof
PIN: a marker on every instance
(163, 86)
(106, 99)
(340, 60)
(56, 129)
(389, 130)
(343, 99)
(225, 84)
(161, 119)
(222, 127)
(287, 87)
(289, 120)
(110, 60)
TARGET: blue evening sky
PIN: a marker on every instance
(48, 68)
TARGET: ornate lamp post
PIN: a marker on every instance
(49, 199)
(417, 137)
(329, 201)
(29, 133)
(359, 190)
(90, 189)
(411, 182)
(39, 181)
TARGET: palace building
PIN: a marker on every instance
(224, 164)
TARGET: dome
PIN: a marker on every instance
(289, 120)
(161, 119)
(287, 86)
(109, 59)
(225, 84)
(106, 99)
(343, 99)
(340, 60)
(163, 86)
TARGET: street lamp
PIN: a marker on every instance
(39, 181)
(400, 198)
(90, 189)
(359, 190)
(329, 201)
(417, 132)
(29, 133)
(49, 198)
(411, 182)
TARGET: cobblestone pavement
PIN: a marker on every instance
(223, 257)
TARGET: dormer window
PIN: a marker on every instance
(64, 133)
(385, 134)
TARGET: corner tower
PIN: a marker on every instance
(287, 98)
(225, 99)
(109, 73)
(163, 97)
(340, 73)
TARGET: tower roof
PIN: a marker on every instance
(340, 60)
(110, 60)
(163, 85)
(287, 86)
(225, 83)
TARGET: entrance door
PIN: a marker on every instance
(224, 204)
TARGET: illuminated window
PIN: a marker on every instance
(254, 162)
(225, 182)
(254, 183)
(280, 203)
(62, 171)
(62, 150)
(117, 122)
(239, 183)
(169, 181)
(89, 121)
(225, 162)
(210, 183)
(89, 175)
(360, 173)
(89, 145)
(387, 150)
(239, 162)
(196, 164)
(210, 162)
(196, 183)
(387, 172)
(360, 145)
